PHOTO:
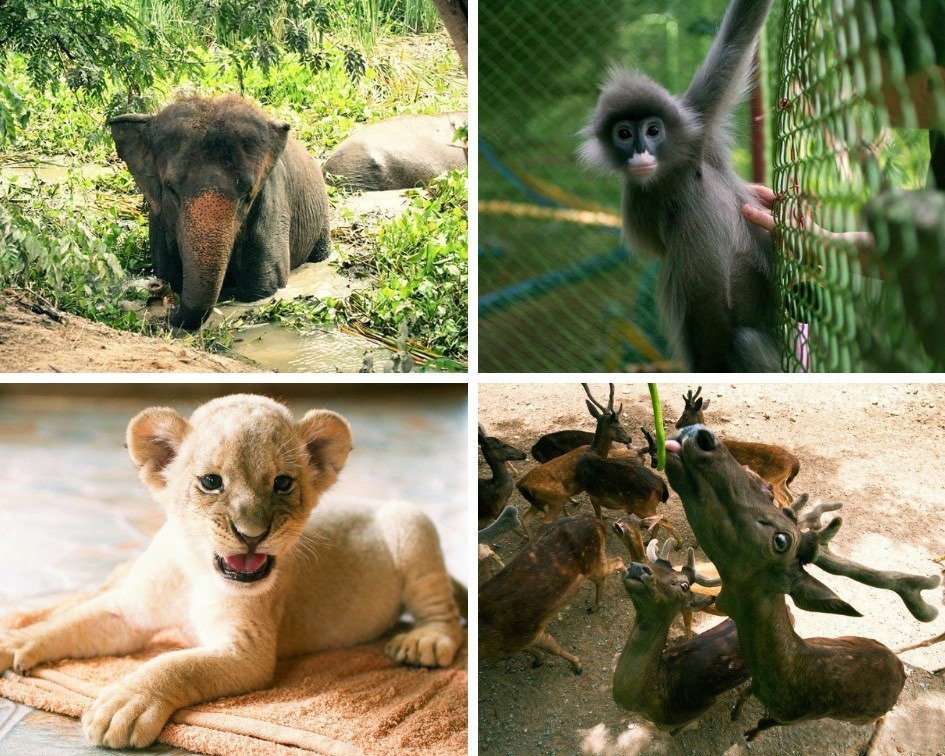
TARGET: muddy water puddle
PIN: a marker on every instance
(326, 350)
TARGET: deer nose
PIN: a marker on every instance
(251, 541)
(706, 440)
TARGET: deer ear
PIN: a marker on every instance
(592, 409)
(705, 404)
(812, 595)
(700, 601)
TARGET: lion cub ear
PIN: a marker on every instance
(154, 437)
(327, 437)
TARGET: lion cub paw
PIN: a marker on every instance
(425, 645)
(18, 651)
(124, 716)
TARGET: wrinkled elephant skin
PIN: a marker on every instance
(234, 202)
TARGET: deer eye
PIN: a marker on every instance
(211, 483)
(782, 541)
(684, 587)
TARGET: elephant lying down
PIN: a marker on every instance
(233, 200)
(399, 153)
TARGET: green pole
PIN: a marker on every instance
(658, 422)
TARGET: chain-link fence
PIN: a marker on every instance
(859, 100)
(861, 245)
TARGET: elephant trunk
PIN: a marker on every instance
(207, 233)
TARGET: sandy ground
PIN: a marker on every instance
(878, 449)
(47, 341)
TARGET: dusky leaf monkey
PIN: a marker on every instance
(718, 294)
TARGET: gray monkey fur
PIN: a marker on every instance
(718, 295)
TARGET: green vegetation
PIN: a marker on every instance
(74, 240)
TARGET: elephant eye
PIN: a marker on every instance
(211, 483)
(282, 484)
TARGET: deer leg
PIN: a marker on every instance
(597, 510)
(546, 643)
(687, 622)
(765, 723)
(743, 696)
(538, 660)
(877, 729)
(598, 587)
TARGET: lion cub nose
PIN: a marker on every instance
(251, 541)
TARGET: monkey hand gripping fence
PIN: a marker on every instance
(859, 120)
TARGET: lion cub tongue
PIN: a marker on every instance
(245, 563)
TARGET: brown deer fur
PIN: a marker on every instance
(516, 604)
(548, 487)
(671, 685)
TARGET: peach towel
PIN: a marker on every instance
(349, 701)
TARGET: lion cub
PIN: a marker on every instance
(243, 571)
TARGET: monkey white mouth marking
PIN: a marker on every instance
(245, 568)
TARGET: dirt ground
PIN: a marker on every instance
(877, 449)
(37, 339)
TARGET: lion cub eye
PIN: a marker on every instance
(210, 483)
(282, 484)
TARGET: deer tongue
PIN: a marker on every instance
(672, 445)
(245, 563)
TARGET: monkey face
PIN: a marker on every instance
(639, 143)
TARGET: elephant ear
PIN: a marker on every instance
(130, 133)
(280, 135)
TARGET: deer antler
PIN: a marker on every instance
(694, 577)
(811, 520)
(667, 548)
(596, 403)
(909, 587)
(690, 398)
(651, 550)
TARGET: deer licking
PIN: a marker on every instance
(773, 463)
(760, 552)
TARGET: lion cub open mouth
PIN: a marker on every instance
(245, 568)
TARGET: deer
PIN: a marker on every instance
(550, 486)
(517, 603)
(555, 444)
(760, 551)
(775, 464)
(623, 483)
(630, 529)
(489, 561)
(672, 685)
(494, 492)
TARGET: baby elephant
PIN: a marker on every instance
(399, 153)
(233, 200)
